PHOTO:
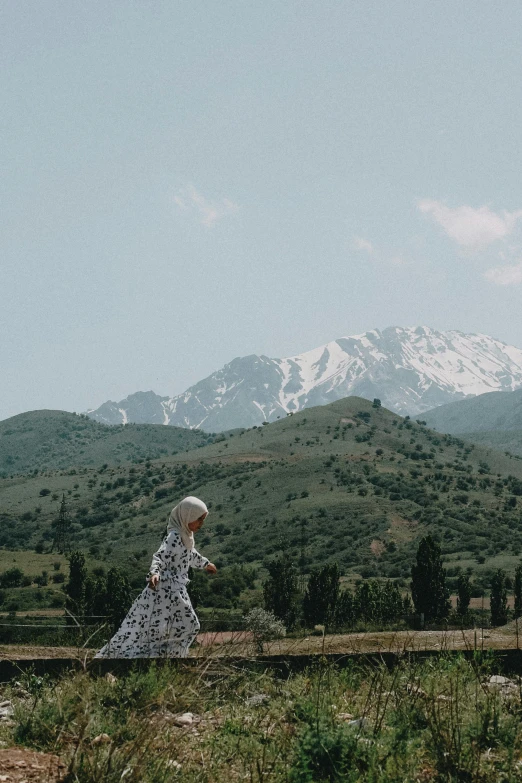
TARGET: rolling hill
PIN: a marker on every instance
(493, 419)
(485, 413)
(346, 481)
(55, 439)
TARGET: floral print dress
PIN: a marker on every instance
(161, 623)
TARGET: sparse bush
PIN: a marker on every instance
(264, 627)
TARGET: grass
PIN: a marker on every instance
(440, 720)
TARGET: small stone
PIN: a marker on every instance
(256, 699)
(416, 690)
(3, 778)
(101, 739)
(173, 764)
(358, 723)
(186, 719)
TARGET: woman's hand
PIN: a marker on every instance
(210, 568)
(153, 581)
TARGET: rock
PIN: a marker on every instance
(416, 690)
(111, 679)
(173, 764)
(505, 686)
(186, 719)
(101, 739)
(358, 723)
(6, 710)
(257, 699)
(495, 679)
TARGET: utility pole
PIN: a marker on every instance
(62, 538)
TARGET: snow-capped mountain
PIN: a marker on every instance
(411, 370)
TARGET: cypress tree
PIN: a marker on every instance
(281, 591)
(320, 598)
(75, 587)
(345, 610)
(119, 597)
(428, 582)
(498, 598)
(518, 591)
(463, 594)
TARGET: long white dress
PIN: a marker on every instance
(161, 623)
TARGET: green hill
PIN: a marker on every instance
(487, 412)
(502, 440)
(493, 419)
(346, 482)
(40, 440)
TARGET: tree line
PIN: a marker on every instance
(323, 602)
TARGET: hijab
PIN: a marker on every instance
(182, 515)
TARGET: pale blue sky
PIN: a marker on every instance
(186, 182)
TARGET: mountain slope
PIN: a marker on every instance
(344, 481)
(410, 369)
(494, 411)
(43, 440)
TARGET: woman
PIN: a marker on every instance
(161, 622)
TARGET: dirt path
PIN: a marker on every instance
(19, 764)
(240, 643)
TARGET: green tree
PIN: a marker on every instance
(119, 596)
(281, 591)
(428, 582)
(13, 577)
(463, 594)
(518, 591)
(345, 610)
(321, 595)
(75, 587)
(498, 598)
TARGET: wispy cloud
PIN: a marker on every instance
(209, 212)
(510, 274)
(471, 228)
(363, 244)
(378, 256)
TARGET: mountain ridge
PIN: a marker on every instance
(411, 369)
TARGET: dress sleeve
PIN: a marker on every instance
(197, 560)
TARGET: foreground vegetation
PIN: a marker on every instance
(442, 720)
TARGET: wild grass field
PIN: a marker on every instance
(446, 719)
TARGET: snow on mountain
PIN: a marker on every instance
(411, 370)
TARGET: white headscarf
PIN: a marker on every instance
(182, 515)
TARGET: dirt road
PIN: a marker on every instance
(240, 643)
